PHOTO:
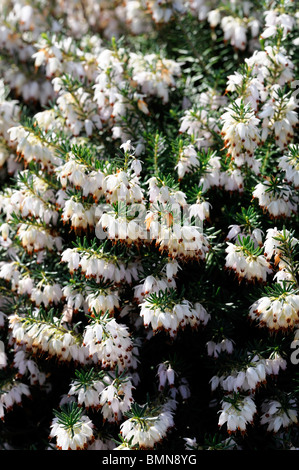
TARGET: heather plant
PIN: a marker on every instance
(149, 254)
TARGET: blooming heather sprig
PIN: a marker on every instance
(241, 133)
(152, 285)
(237, 413)
(145, 145)
(201, 126)
(11, 395)
(117, 397)
(179, 240)
(276, 21)
(162, 312)
(278, 309)
(71, 429)
(280, 246)
(111, 392)
(99, 265)
(216, 348)
(162, 11)
(187, 161)
(27, 367)
(47, 338)
(32, 148)
(87, 388)
(276, 198)
(249, 377)
(170, 380)
(279, 117)
(277, 416)
(144, 428)
(289, 163)
(247, 261)
(155, 75)
(109, 343)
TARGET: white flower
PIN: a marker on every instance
(47, 294)
(188, 160)
(246, 263)
(215, 348)
(25, 365)
(49, 338)
(275, 21)
(235, 31)
(273, 246)
(116, 398)
(279, 117)
(148, 430)
(173, 317)
(200, 210)
(87, 394)
(103, 302)
(11, 394)
(75, 437)
(253, 90)
(109, 343)
(276, 312)
(237, 414)
(199, 124)
(154, 74)
(289, 163)
(126, 146)
(180, 241)
(249, 378)
(240, 132)
(162, 10)
(277, 416)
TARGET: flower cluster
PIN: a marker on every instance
(237, 412)
(144, 431)
(277, 416)
(252, 376)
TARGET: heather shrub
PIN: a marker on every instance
(149, 168)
